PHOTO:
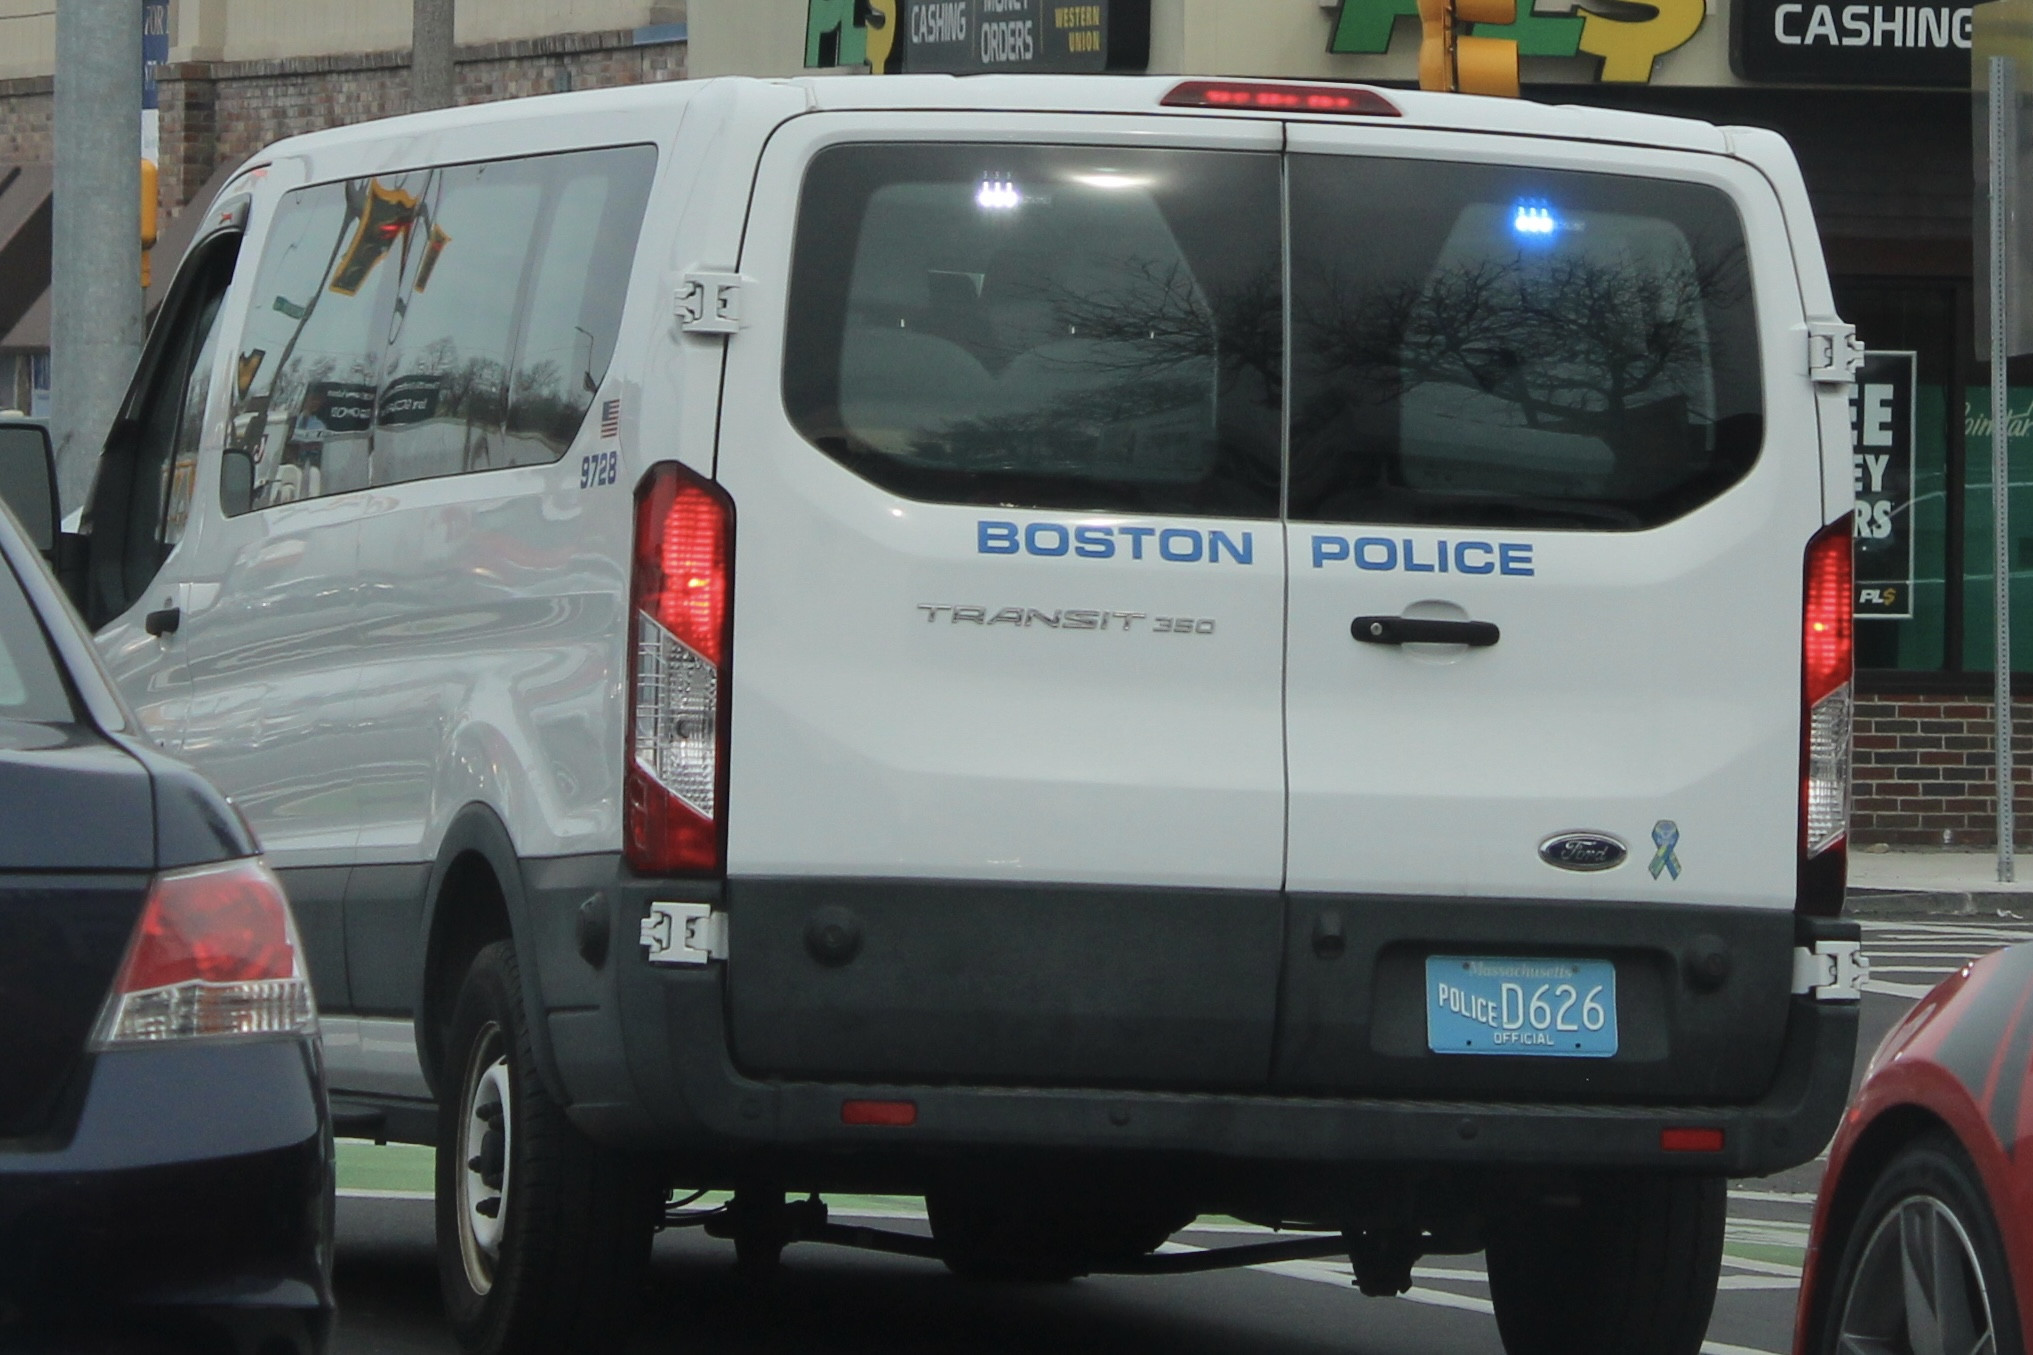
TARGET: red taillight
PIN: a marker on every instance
(1281, 98)
(1827, 663)
(680, 596)
(1828, 645)
(1690, 1140)
(215, 954)
(894, 1114)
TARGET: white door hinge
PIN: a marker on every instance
(1833, 971)
(710, 303)
(684, 933)
(1834, 352)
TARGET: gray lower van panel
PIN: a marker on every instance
(911, 980)
(1703, 997)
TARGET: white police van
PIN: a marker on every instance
(1096, 650)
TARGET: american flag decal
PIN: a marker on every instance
(610, 419)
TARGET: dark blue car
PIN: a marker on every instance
(165, 1149)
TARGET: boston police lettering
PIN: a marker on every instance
(1178, 545)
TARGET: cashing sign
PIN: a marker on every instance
(1628, 47)
(1830, 42)
(971, 37)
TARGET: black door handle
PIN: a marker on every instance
(163, 622)
(1421, 630)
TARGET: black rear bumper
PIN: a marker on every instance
(650, 1057)
(193, 1202)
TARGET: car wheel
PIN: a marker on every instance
(543, 1236)
(1626, 1265)
(1924, 1269)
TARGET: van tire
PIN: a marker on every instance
(1625, 1265)
(575, 1220)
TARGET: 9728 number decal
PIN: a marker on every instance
(599, 468)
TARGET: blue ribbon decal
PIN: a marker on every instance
(1665, 836)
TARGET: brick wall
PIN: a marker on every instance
(1924, 771)
(215, 112)
(27, 136)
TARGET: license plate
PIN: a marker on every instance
(1563, 1009)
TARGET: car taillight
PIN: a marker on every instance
(215, 955)
(682, 619)
(1827, 661)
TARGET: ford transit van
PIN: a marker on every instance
(1095, 650)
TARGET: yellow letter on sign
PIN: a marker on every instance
(1627, 46)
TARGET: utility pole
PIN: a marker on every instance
(431, 81)
(95, 265)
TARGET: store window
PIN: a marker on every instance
(1906, 442)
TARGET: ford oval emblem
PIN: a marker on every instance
(1582, 851)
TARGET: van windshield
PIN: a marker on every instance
(1480, 344)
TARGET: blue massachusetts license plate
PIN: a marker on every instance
(1565, 1009)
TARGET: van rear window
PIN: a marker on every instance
(1043, 326)
(1479, 344)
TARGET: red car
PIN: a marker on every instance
(1923, 1235)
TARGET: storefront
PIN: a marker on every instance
(1874, 97)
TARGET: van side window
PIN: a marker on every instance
(142, 496)
(580, 279)
(1509, 346)
(1046, 327)
(444, 384)
(436, 322)
(309, 351)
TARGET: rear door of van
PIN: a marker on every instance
(1554, 472)
(1003, 441)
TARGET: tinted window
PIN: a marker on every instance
(1494, 345)
(444, 385)
(142, 494)
(25, 481)
(310, 352)
(31, 686)
(1042, 326)
(445, 320)
(583, 254)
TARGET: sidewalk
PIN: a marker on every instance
(1952, 883)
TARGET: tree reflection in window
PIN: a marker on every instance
(1603, 374)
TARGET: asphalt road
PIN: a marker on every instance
(832, 1301)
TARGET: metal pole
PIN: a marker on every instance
(2004, 151)
(95, 231)
(431, 78)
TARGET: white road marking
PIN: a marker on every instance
(363, 1193)
(1804, 1198)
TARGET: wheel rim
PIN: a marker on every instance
(1918, 1288)
(484, 1157)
